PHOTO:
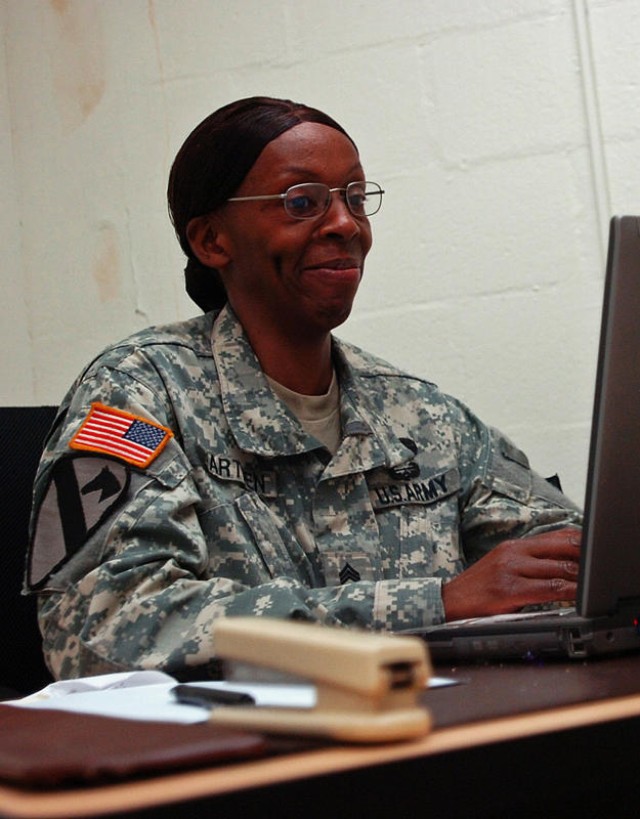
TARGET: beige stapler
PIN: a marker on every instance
(367, 684)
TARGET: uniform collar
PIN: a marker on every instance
(369, 442)
(263, 425)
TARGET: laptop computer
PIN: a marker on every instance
(606, 618)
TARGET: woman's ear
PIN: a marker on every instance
(207, 243)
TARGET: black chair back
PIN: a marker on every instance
(22, 434)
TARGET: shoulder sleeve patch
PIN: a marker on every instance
(82, 493)
(111, 431)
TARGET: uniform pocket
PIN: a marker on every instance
(419, 523)
(248, 543)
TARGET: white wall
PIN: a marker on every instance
(505, 133)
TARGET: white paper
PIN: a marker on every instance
(101, 682)
(146, 695)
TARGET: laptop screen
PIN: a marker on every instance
(610, 566)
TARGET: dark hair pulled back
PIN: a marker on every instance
(211, 165)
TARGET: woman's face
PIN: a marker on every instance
(290, 275)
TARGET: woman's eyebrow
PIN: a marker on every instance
(305, 171)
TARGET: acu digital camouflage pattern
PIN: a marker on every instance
(243, 513)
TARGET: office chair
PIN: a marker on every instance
(22, 434)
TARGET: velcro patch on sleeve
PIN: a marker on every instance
(512, 453)
(111, 431)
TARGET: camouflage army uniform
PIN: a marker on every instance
(241, 512)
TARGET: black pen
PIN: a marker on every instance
(210, 697)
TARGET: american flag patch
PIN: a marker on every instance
(114, 432)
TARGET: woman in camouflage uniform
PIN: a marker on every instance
(247, 462)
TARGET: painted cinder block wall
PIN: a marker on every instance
(506, 132)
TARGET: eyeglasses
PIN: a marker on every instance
(312, 199)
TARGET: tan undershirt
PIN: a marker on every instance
(319, 415)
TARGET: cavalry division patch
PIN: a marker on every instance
(111, 431)
(83, 492)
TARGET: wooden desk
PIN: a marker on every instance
(562, 755)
